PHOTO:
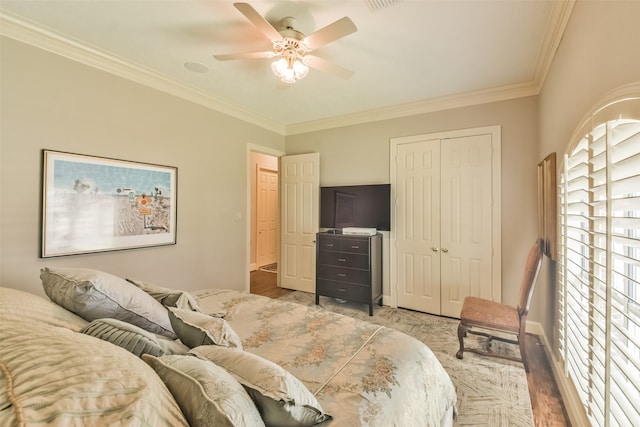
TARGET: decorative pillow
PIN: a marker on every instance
(195, 329)
(281, 398)
(55, 376)
(207, 394)
(130, 337)
(34, 309)
(168, 297)
(93, 294)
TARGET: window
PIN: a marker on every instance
(599, 264)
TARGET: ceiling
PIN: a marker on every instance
(407, 57)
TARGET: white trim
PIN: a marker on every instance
(496, 206)
(16, 28)
(560, 14)
(254, 148)
(421, 107)
(571, 399)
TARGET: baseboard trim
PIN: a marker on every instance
(575, 410)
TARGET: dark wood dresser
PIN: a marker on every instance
(349, 267)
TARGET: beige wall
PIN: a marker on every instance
(600, 52)
(54, 103)
(360, 155)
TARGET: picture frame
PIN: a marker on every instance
(547, 205)
(98, 204)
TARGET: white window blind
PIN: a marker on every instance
(599, 271)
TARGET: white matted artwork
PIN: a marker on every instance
(96, 204)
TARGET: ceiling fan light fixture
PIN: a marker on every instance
(290, 69)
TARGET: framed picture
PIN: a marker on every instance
(547, 205)
(96, 204)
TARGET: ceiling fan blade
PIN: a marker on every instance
(256, 19)
(245, 55)
(328, 67)
(340, 28)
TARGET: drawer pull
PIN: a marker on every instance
(329, 245)
(342, 259)
(355, 247)
(342, 289)
(342, 275)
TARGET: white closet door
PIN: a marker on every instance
(466, 235)
(418, 225)
(446, 218)
(300, 183)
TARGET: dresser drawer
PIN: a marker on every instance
(343, 274)
(343, 259)
(347, 291)
(344, 244)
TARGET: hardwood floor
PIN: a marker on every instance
(546, 402)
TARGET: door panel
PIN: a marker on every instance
(300, 176)
(466, 235)
(417, 189)
(266, 216)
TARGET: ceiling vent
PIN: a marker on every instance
(374, 5)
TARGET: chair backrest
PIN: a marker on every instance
(531, 270)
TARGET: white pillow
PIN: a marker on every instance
(282, 399)
(93, 294)
(207, 394)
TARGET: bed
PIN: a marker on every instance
(111, 351)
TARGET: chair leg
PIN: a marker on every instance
(462, 332)
(523, 354)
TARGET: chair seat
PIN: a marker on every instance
(489, 314)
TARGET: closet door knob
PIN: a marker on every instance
(445, 250)
(434, 249)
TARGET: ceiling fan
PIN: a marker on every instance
(293, 47)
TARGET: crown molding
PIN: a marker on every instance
(18, 29)
(556, 25)
(26, 32)
(421, 107)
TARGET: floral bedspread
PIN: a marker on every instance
(361, 373)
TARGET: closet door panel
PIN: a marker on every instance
(466, 235)
(418, 232)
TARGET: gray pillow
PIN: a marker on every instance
(196, 329)
(207, 394)
(282, 399)
(168, 297)
(130, 337)
(93, 294)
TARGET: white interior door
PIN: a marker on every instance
(266, 216)
(418, 225)
(465, 232)
(446, 219)
(300, 182)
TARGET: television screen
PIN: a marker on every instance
(365, 206)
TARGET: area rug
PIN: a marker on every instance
(491, 392)
(271, 268)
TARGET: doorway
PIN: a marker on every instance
(263, 231)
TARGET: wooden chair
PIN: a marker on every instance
(496, 317)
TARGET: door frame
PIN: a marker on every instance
(496, 204)
(255, 148)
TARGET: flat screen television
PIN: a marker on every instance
(364, 206)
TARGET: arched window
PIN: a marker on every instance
(599, 263)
